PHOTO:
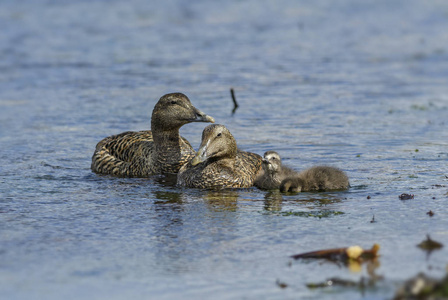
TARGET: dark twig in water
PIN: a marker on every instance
(341, 254)
(235, 104)
(406, 196)
(337, 282)
(281, 284)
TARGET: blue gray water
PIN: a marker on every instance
(361, 85)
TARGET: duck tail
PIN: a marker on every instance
(103, 162)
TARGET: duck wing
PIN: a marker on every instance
(247, 167)
(128, 154)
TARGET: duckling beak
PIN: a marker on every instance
(201, 156)
(265, 161)
(202, 117)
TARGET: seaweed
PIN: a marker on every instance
(315, 213)
(429, 244)
(423, 287)
(355, 253)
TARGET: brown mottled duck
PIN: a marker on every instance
(219, 163)
(318, 178)
(149, 152)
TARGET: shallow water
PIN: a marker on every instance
(359, 85)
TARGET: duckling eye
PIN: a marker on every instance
(219, 134)
(173, 102)
(273, 158)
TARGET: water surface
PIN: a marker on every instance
(358, 85)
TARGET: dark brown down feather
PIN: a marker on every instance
(273, 172)
(319, 178)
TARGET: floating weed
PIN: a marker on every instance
(314, 213)
(429, 244)
(320, 201)
(419, 107)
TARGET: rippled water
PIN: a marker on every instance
(362, 85)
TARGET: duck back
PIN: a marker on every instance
(319, 178)
(322, 178)
(133, 154)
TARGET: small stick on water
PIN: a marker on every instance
(235, 104)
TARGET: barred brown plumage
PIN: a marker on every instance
(144, 153)
(219, 164)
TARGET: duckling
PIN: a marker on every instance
(156, 151)
(318, 178)
(273, 172)
(219, 163)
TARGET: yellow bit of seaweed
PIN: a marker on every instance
(354, 252)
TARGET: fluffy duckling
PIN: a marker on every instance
(156, 151)
(273, 172)
(219, 164)
(319, 178)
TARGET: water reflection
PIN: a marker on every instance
(273, 201)
(167, 197)
(167, 180)
(168, 230)
(226, 200)
(188, 222)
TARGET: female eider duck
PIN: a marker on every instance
(219, 163)
(318, 178)
(156, 151)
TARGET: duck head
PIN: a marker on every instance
(175, 110)
(217, 143)
(272, 162)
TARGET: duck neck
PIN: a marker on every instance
(167, 141)
(168, 149)
(275, 175)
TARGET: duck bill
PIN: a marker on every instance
(202, 117)
(201, 156)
